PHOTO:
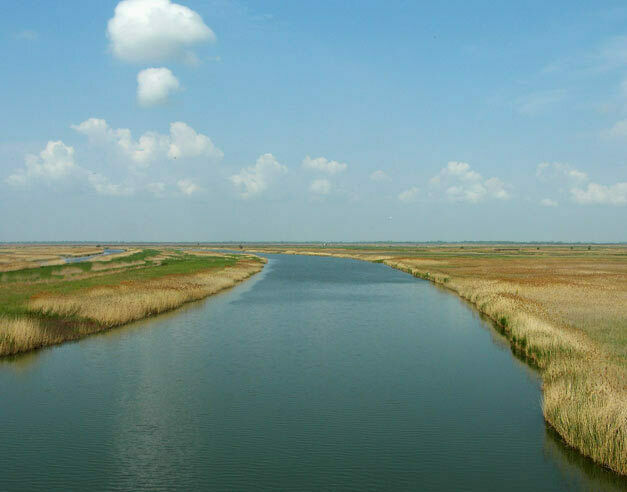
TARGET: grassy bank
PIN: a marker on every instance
(56, 303)
(564, 309)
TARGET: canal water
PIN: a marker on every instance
(316, 374)
(79, 259)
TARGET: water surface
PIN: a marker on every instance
(79, 259)
(317, 374)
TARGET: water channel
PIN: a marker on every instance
(317, 374)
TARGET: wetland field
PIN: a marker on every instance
(561, 310)
(47, 297)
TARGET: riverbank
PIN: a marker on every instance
(563, 309)
(57, 303)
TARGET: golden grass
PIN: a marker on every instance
(29, 256)
(564, 310)
(48, 318)
(137, 300)
(21, 332)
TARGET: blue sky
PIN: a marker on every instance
(222, 120)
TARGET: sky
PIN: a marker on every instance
(217, 120)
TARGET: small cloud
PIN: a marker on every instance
(581, 190)
(148, 31)
(320, 187)
(379, 176)
(53, 163)
(56, 164)
(547, 202)
(27, 35)
(103, 186)
(410, 195)
(557, 170)
(254, 180)
(462, 184)
(155, 85)
(182, 142)
(187, 186)
(596, 194)
(186, 142)
(324, 165)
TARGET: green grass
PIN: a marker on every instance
(54, 271)
(16, 292)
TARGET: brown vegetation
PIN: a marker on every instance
(46, 308)
(29, 256)
(137, 300)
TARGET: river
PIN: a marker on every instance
(316, 374)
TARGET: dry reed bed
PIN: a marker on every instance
(58, 318)
(28, 256)
(565, 315)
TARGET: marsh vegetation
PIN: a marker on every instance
(49, 304)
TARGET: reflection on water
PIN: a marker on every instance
(316, 374)
(572, 463)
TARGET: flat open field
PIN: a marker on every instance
(59, 301)
(563, 308)
(18, 257)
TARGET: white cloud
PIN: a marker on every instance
(320, 186)
(154, 86)
(581, 190)
(410, 195)
(596, 194)
(462, 184)
(56, 163)
(186, 142)
(145, 31)
(53, 163)
(558, 170)
(103, 186)
(182, 142)
(547, 202)
(187, 186)
(324, 165)
(27, 35)
(379, 176)
(253, 180)
(496, 188)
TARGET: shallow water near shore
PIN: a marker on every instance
(316, 374)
